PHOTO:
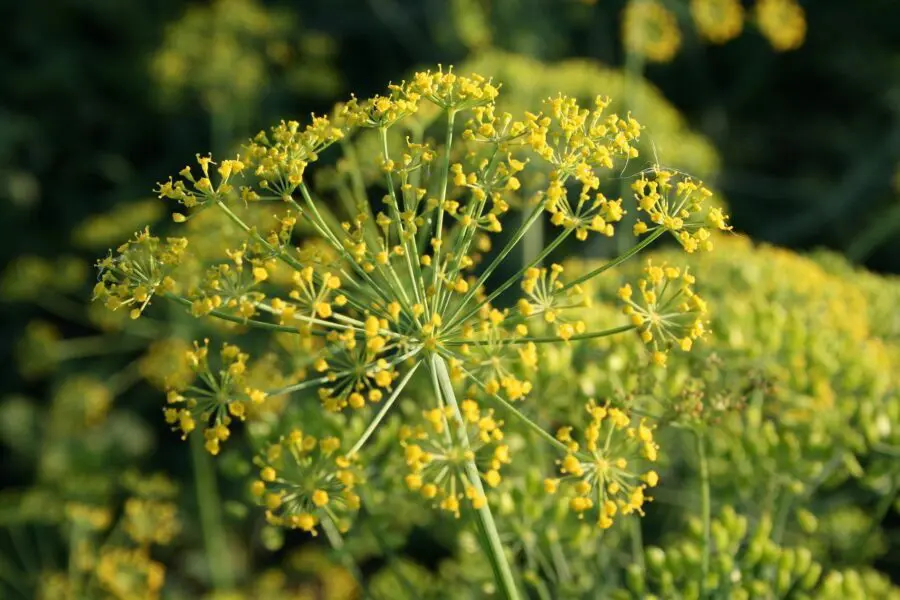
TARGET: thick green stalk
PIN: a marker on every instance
(637, 543)
(495, 550)
(705, 511)
(217, 560)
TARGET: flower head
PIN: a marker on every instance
(665, 310)
(304, 479)
(782, 22)
(437, 458)
(650, 30)
(604, 472)
(140, 270)
(718, 20)
(676, 204)
(226, 397)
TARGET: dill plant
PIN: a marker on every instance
(403, 292)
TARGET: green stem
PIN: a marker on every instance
(548, 339)
(439, 223)
(517, 236)
(881, 510)
(495, 550)
(616, 261)
(510, 281)
(383, 412)
(637, 543)
(705, 511)
(233, 319)
(95, 345)
(512, 410)
(337, 542)
(210, 517)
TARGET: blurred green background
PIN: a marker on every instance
(99, 99)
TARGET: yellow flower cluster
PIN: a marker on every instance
(202, 192)
(676, 203)
(437, 457)
(718, 21)
(88, 517)
(140, 270)
(667, 311)
(126, 573)
(452, 92)
(526, 82)
(304, 480)
(602, 472)
(148, 521)
(226, 397)
(279, 158)
(650, 30)
(395, 283)
(782, 22)
(577, 142)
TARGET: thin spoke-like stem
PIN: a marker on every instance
(637, 543)
(510, 281)
(383, 412)
(517, 236)
(512, 410)
(495, 550)
(545, 339)
(616, 261)
(442, 197)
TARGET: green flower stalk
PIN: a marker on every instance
(408, 284)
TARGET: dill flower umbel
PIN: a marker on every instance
(600, 473)
(227, 396)
(304, 479)
(718, 21)
(437, 459)
(673, 203)
(782, 22)
(126, 573)
(650, 30)
(140, 269)
(402, 278)
(666, 310)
